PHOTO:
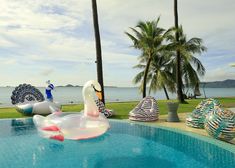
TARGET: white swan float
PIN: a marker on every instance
(75, 126)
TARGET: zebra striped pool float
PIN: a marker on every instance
(146, 110)
(101, 107)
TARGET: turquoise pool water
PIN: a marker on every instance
(124, 145)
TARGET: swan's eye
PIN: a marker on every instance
(95, 88)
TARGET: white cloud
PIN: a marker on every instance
(47, 71)
(6, 43)
(29, 14)
(220, 73)
(48, 36)
(8, 61)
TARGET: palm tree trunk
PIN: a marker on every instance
(167, 96)
(98, 48)
(145, 76)
(178, 58)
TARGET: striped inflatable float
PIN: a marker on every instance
(197, 118)
(101, 107)
(146, 110)
(220, 124)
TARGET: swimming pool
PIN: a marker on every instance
(124, 145)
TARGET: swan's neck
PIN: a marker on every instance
(90, 108)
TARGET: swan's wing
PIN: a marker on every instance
(47, 128)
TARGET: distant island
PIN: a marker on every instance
(229, 83)
(69, 85)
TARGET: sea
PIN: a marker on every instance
(73, 95)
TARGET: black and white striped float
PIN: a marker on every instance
(146, 110)
(101, 107)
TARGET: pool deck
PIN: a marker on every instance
(181, 125)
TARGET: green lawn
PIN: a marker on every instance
(122, 108)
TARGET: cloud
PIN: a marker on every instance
(219, 73)
(6, 43)
(8, 61)
(47, 71)
(30, 14)
(48, 37)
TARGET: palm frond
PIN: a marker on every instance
(140, 66)
(138, 77)
(199, 67)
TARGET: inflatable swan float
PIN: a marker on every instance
(75, 126)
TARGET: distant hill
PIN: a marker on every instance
(69, 85)
(229, 83)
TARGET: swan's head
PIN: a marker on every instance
(92, 86)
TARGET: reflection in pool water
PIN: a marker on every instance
(124, 145)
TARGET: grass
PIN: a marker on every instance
(122, 108)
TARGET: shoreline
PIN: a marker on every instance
(127, 101)
(67, 96)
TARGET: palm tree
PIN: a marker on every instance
(98, 48)
(148, 38)
(190, 66)
(178, 59)
(160, 74)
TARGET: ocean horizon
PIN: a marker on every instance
(73, 95)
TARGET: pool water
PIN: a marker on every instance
(124, 145)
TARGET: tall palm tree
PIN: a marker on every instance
(148, 38)
(179, 83)
(160, 74)
(98, 48)
(190, 66)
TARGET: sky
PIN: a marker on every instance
(54, 39)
